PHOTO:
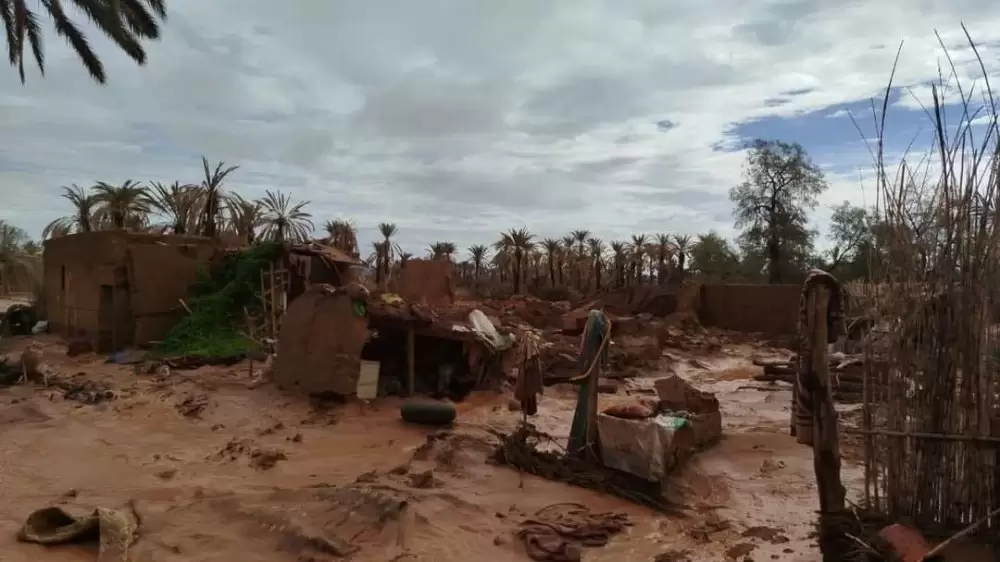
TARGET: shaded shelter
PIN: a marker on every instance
(329, 332)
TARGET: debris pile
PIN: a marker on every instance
(558, 532)
(847, 373)
(525, 449)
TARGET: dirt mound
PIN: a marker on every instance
(556, 533)
(22, 412)
(315, 524)
(532, 311)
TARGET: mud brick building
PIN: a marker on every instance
(119, 289)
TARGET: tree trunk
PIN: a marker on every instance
(517, 272)
(774, 262)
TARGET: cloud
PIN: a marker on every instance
(457, 120)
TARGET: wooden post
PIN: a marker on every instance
(411, 361)
(826, 441)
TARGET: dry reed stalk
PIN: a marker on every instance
(934, 459)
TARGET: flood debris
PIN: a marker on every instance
(524, 450)
(559, 532)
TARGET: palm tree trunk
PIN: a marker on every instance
(517, 271)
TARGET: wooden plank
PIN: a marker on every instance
(826, 442)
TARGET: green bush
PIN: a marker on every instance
(216, 325)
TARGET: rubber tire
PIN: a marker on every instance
(424, 412)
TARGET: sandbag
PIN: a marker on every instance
(428, 413)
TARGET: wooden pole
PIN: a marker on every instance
(826, 441)
(411, 361)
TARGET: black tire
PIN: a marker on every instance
(424, 412)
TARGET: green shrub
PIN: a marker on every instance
(216, 325)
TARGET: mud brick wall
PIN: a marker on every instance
(427, 281)
(146, 275)
(771, 309)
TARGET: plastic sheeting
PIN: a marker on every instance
(487, 332)
(646, 448)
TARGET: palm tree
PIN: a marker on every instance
(663, 247)
(596, 252)
(552, 249)
(125, 206)
(16, 266)
(638, 256)
(127, 23)
(521, 243)
(284, 220)
(478, 254)
(441, 250)
(342, 234)
(502, 259)
(580, 237)
(619, 248)
(82, 219)
(177, 203)
(212, 184)
(449, 249)
(566, 255)
(681, 244)
(383, 262)
(242, 217)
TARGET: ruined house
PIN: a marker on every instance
(309, 264)
(429, 282)
(329, 334)
(118, 289)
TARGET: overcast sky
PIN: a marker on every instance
(459, 119)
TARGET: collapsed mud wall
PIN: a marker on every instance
(320, 344)
(428, 281)
(118, 288)
(770, 309)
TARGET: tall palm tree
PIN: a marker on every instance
(521, 242)
(284, 220)
(125, 206)
(596, 253)
(566, 255)
(242, 217)
(16, 266)
(580, 236)
(477, 254)
(619, 248)
(127, 23)
(503, 256)
(681, 244)
(342, 235)
(638, 256)
(212, 185)
(663, 248)
(82, 219)
(178, 204)
(383, 262)
(552, 249)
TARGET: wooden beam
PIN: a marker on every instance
(826, 441)
(411, 361)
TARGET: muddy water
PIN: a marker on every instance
(191, 451)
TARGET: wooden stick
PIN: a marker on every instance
(186, 307)
(966, 531)
(922, 435)
(826, 447)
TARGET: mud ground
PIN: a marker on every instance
(221, 466)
